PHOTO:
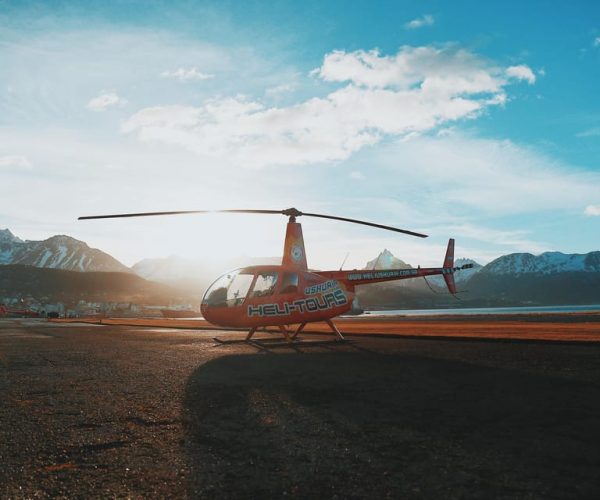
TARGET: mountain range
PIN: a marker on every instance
(518, 278)
(551, 278)
(57, 252)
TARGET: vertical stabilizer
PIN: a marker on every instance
(293, 250)
(449, 259)
(449, 267)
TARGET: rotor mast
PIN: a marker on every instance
(294, 254)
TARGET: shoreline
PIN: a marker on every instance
(552, 327)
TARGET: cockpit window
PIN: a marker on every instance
(265, 284)
(237, 291)
(289, 283)
(229, 290)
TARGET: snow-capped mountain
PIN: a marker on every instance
(386, 260)
(167, 269)
(549, 278)
(8, 243)
(460, 277)
(57, 252)
(466, 274)
(552, 278)
(546, 263)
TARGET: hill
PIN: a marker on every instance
(73, 286)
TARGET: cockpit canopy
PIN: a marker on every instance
(233, 288)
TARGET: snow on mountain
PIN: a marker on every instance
(545, 263)
(460, 277)
(7, 236)
(386, 260)
(57, 252)
(466, 274)
(175, 270)
(8, 243)
(166, 270)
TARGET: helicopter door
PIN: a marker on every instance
(289, 283)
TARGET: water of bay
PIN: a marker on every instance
(485, 310)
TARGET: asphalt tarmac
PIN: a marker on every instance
(91, 411)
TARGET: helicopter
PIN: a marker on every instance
(289, 293)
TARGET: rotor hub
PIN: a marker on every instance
(292, 213)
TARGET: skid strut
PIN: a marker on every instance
(335, 330)
(288, 339)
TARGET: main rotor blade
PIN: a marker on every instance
(142, 214)
(252, 211)
(290, 212)
(297, 213)
(364, 223)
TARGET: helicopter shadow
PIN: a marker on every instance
(363, 424)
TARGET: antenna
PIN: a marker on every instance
(344, 261)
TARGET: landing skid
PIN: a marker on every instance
(287, 340)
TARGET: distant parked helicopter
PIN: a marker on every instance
(19, 312)
(289, 294)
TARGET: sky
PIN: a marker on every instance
(473, 120)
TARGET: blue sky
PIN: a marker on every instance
(479, 121)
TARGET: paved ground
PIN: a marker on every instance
(89, 411)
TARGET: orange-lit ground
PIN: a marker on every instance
(574, 327)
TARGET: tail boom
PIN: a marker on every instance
(363, 277)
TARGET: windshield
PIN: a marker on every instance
(229, 290)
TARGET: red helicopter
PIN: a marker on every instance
(289, 293)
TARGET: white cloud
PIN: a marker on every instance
(521, 72)
(592, 132)
(104, 101)
(592, 210)
(278, 90)
(426, 20)
(439, 70)
(187, 74)
(597, 41)
(514, 240)
(416, 90)
(457, 176)
(357, 176)
(18, 161)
